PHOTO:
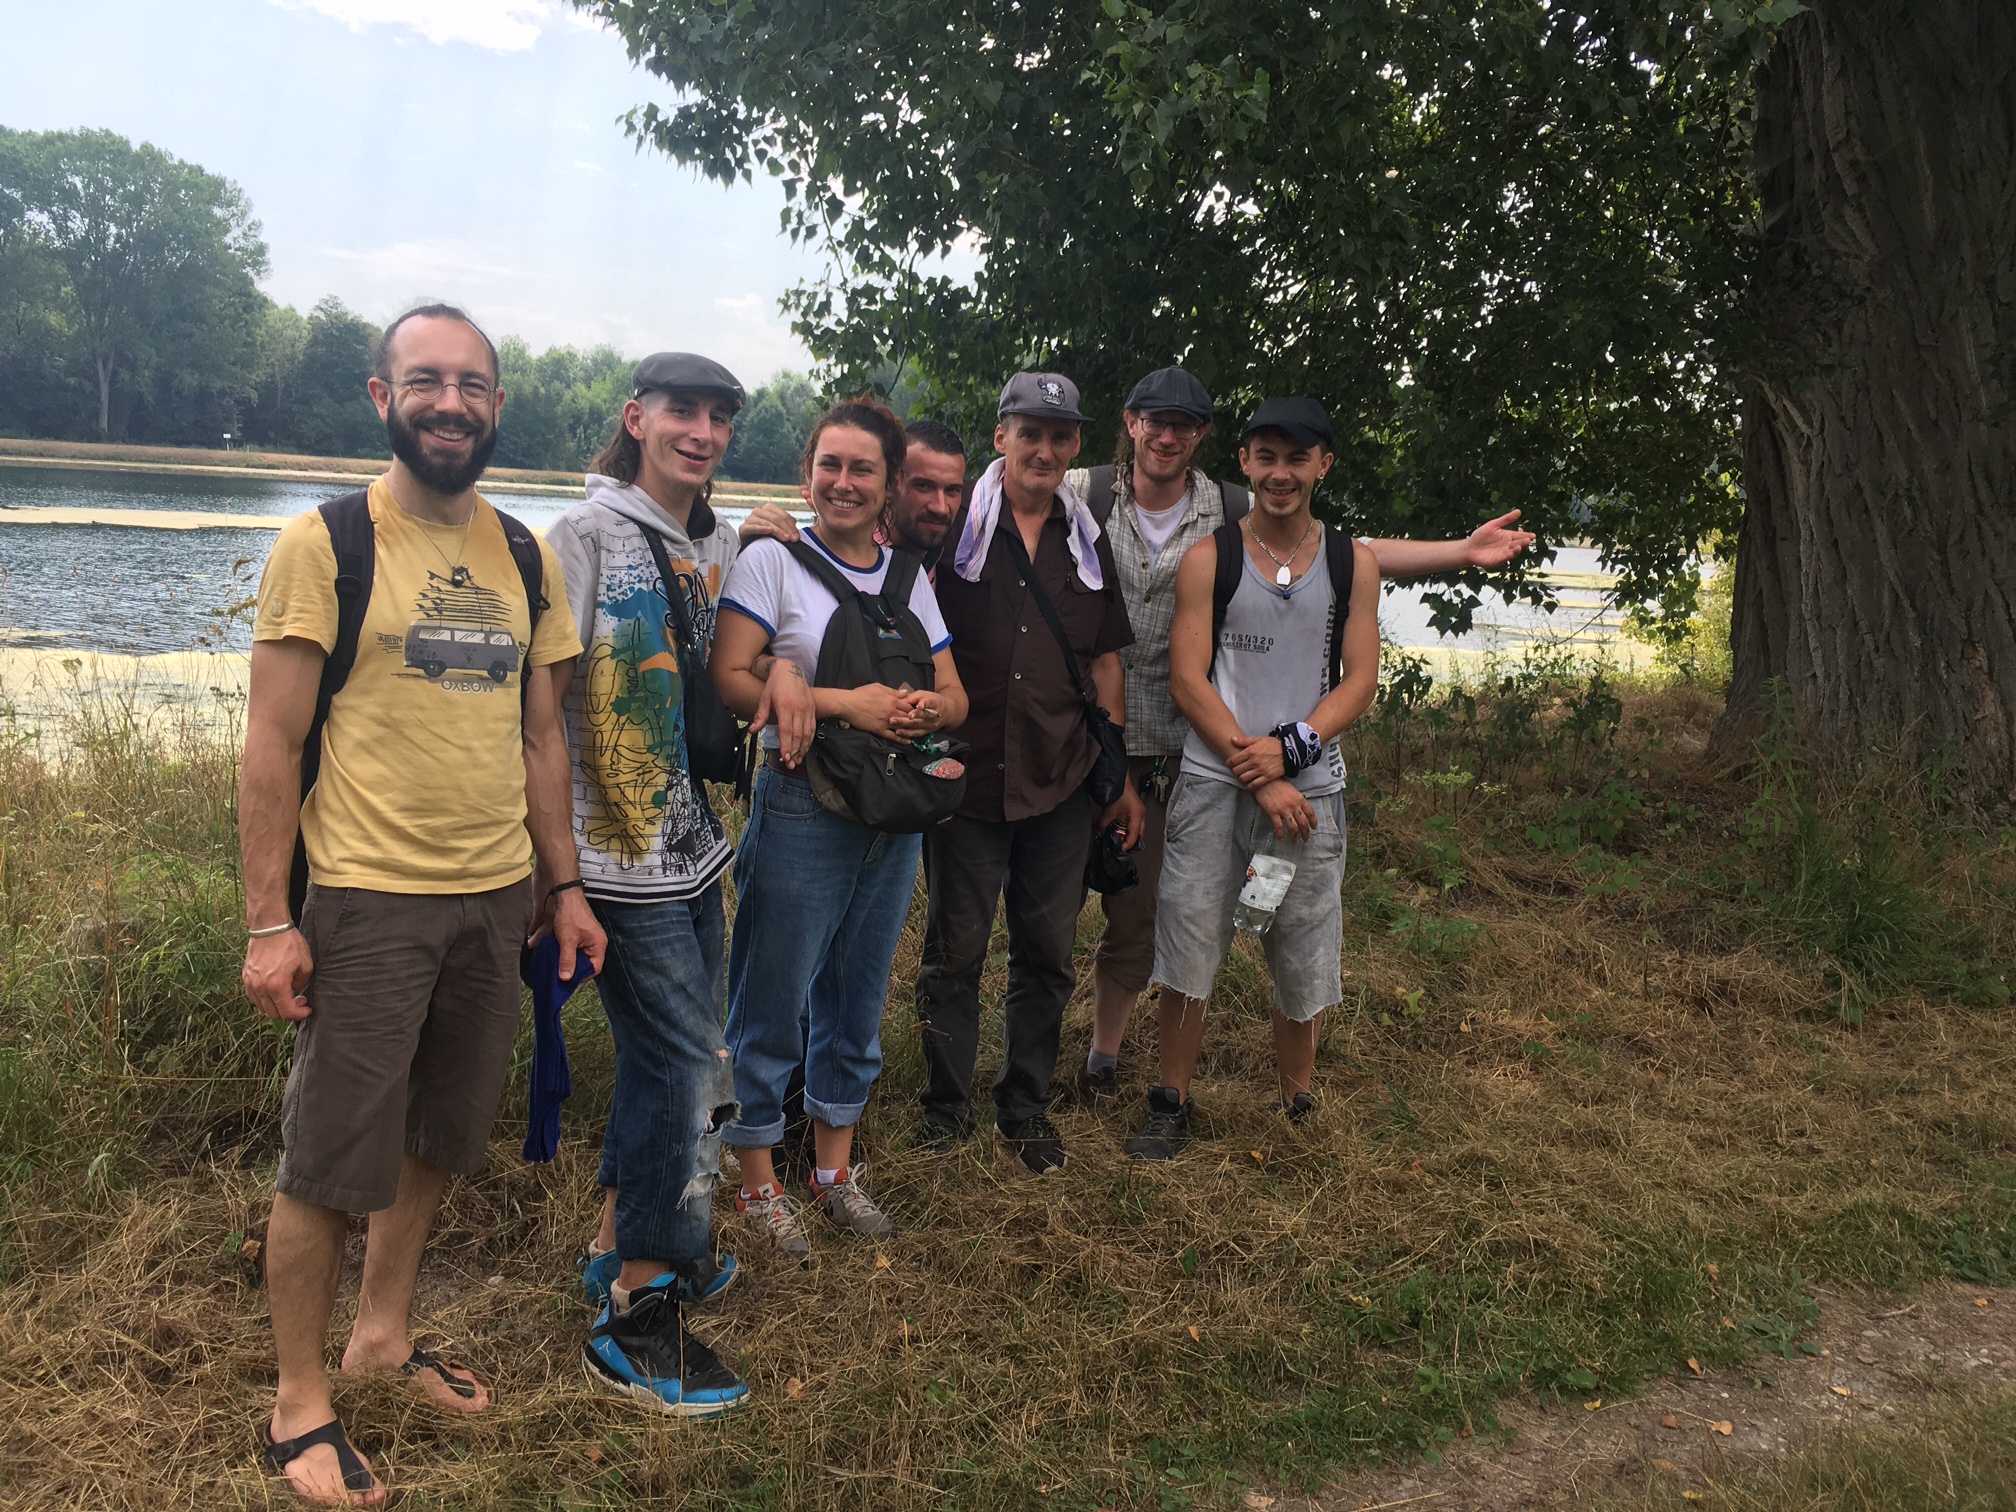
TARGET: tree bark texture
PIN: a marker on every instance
(1876, 568)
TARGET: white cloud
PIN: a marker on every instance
(500, 25)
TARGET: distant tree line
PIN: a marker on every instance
(130, 311)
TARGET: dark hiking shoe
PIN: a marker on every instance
(646, 1355)
(941, 1138)
(1097, 1089)
(1166, 1129)
(1300, 1110)
(1036, 1143)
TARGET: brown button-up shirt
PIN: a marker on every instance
(1026, 724)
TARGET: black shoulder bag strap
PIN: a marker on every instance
(1236, 501)
(1099, 494)
(1049, 612)
(1340, 552)
(351, 538)
(532, 572)
(1231, 544)
(675, 604)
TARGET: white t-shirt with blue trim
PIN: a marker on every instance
(768, 586)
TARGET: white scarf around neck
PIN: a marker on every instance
(1081, 531)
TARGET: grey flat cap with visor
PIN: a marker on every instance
(1170, 390)
(685, 373)
(1051, 395)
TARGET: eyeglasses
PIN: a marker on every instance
(1178, 430)
(429, 388)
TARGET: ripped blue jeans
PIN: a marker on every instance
(662, 988)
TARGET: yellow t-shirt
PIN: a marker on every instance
(422, 788)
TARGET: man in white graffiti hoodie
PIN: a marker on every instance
(643, 553)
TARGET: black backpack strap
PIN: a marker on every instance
(1236, 501)
(1231, 559)
(354, 543)
(532, 572)
(900, 579)
(1340, 553)
(830, 577)
(1099, 494)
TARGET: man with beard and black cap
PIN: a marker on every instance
(400, 723)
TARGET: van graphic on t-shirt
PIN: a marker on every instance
(461, 628)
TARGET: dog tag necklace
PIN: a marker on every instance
(1283, 578)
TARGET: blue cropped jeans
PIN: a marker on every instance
(820, 905)
(661, 988)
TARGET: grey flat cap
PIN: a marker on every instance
(1050, 395)
(1169, 390)
(686, 373)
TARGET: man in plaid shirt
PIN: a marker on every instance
(1160, 507)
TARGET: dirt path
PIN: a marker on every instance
(1879, 1358)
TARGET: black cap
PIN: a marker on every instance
(1303, 421)
(1168, 389)
(1050, 395)
(685, 373)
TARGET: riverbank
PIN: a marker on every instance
(199, 462)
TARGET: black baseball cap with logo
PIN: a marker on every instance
(1051, 395)
(685, 373)
(1303, 421)
(1170, 390)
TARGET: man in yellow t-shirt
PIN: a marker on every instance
(437, 792)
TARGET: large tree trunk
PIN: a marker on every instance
(104, 398)
(1876, 570)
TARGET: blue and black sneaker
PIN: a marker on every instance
(647, 1355)
(698, 1281)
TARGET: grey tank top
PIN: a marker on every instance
(1271, 670)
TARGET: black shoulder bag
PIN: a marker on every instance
(1108, 778)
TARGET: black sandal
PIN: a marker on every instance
(442, 1366)
(281, 1453)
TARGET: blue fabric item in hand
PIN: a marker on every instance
(539, 967)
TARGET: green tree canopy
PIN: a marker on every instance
(770, 433)
(1500, 238)
(156, 298)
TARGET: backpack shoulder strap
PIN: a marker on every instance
(1099, 494)
(830, 578)
(900, 580)
(1237, 501)
(532, 572)
(1225, 581)
(1340, 553)
(355, 545)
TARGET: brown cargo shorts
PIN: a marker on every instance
(413, 1010)
(1126, 950)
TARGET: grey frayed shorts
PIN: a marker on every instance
(1214, 829)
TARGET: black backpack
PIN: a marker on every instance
(714, 737)
(1099, 497)
(1339, 555)
(901, 789)
(355, 543)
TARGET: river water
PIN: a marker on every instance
(138, 590)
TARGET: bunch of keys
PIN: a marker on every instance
(1159, 780)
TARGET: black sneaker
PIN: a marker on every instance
(941, 1138)
(647, 1355)
(1036, 1143)
(1167, 1127)
(1300, 1110)
(1097, 1088)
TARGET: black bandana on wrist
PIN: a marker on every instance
(1301, 747)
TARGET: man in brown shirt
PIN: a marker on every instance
(1027, 823)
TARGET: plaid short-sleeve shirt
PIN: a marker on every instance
(1155, 726)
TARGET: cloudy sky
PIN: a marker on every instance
(459, 149)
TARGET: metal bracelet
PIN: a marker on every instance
(270, 930)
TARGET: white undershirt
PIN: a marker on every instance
(1158, 526)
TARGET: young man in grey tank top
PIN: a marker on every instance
(1261, 767)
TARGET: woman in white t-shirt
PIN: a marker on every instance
(820, 900)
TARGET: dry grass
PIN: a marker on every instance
(1614, 1120)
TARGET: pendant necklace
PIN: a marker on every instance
(1283, 578)
(458, 574)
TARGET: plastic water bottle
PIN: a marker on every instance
(1267, 877)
